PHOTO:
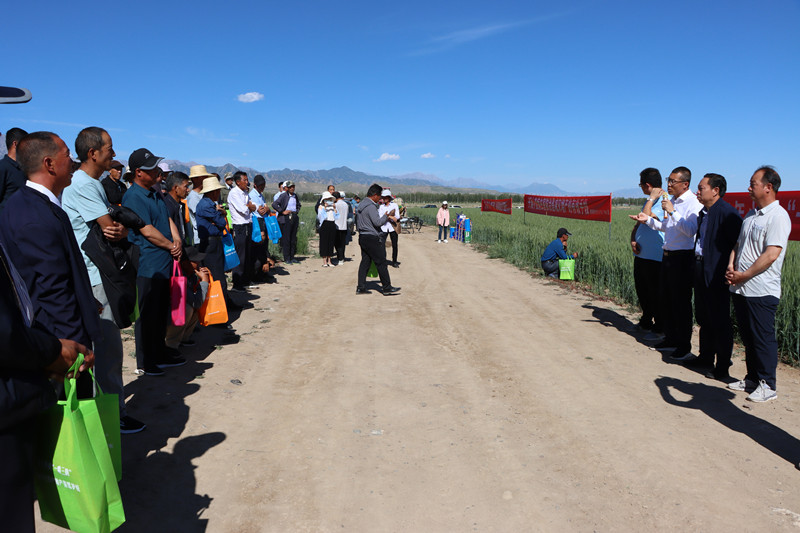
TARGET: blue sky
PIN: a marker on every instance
(582, 94)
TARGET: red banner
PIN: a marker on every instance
(498, 206)
(582, 207)
(789, 200)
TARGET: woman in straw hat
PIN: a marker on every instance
(210, 225)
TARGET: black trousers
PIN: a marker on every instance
(677, 278)
(151, 328)
(712, 309)
(373, 249)
(393, 238)
(289, 235)
(260, 249)
(243, 273)
(341, 243)
(756, 319)
(215, 260)
(647, 279)
(16, 477)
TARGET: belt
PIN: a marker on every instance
(668, 253)
(214, 237)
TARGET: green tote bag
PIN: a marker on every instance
(75, 479)
(566, 268)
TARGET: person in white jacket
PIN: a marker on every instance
(443, 221)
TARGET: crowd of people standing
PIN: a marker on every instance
(687, 243)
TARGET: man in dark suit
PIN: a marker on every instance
(38, 236)
(28, 356)
(287, 206)
(11, 177)
(718, 229)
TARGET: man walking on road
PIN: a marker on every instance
(373, 248)
(754, 273)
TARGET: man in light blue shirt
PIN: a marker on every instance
(647, 245)
(85, 203)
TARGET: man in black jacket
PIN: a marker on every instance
(288, 206)
(11, 177)
(28, 356)
(718, 229)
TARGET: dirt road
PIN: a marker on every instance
(479, 399)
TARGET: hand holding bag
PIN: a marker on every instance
(177, 295)
(213, 310)
(231, 258)
(75, 477)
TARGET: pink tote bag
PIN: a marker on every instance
(177, 295)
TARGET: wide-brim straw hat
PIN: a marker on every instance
(211, 184)
(199, 171)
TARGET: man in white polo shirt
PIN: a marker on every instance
(754, 273)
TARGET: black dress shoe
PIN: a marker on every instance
(361, 291)
(390, 291)
(698, 363)
(680, 354)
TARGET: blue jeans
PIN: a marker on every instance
(445, 230)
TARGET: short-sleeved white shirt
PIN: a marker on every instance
(768, 226)
(84, 202)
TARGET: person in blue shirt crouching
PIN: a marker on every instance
(556, 250)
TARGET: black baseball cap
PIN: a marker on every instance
(562, 232)
(144, 159)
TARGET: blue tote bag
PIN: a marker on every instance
(231, 259)
(255, 234)
(273, 229)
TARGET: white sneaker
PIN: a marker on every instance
(445, 240)
(763, 393)
(743, 385)
(438, 240)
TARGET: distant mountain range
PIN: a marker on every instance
(353, 180)
(348, 179)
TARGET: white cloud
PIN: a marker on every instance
(427, 156)
(460, 37)
(386, 156)
(250, 97)
(365, 148)
(447, 156)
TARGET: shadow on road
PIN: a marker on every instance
(716, 403)
(612, 319)
(158, 485)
